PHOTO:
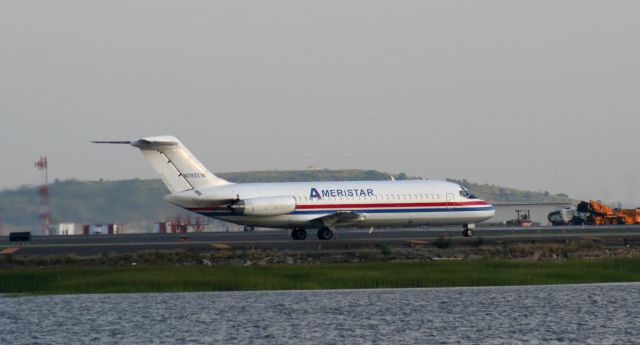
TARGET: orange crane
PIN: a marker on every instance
(601, 214)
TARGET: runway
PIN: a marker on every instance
(280, 240)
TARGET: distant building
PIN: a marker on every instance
(186, 224)
(66, 229)
(104, 229)
(70, 229)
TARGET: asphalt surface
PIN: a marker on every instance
(280, 239)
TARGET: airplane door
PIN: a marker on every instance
(450, 200)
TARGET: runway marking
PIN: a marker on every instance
(220, 246)
(9, 250)
(414, 243)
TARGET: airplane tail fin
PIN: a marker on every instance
(179, 169)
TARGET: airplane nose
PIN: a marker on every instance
(492, 209)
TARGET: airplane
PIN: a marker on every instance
(297, 206)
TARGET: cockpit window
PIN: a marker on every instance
(466, 194)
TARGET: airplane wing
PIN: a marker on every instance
(338, 217)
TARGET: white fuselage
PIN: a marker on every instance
(382, 203)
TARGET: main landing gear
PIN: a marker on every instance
(325, 233)
(468, 230)
(299, 233)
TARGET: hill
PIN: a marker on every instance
(131, 201)
(499, 194)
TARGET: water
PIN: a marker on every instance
(570, 314)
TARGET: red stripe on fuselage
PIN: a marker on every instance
(393, 205)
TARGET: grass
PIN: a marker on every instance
(443, 242)
(385, 249)
(74, 279)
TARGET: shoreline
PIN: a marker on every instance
(630, 283)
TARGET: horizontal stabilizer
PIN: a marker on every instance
(111, 142)
(179, 169)
(156, 142)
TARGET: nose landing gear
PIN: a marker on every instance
(468, 230)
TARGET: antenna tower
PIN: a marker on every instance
(43, 190)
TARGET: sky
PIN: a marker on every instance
(536, 95)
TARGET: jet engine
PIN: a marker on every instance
(265, 206)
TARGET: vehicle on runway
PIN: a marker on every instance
(298, 206)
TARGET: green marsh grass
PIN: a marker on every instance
(74, 279)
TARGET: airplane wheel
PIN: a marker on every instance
(467, 232)
(325, 233)
(299, 234)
